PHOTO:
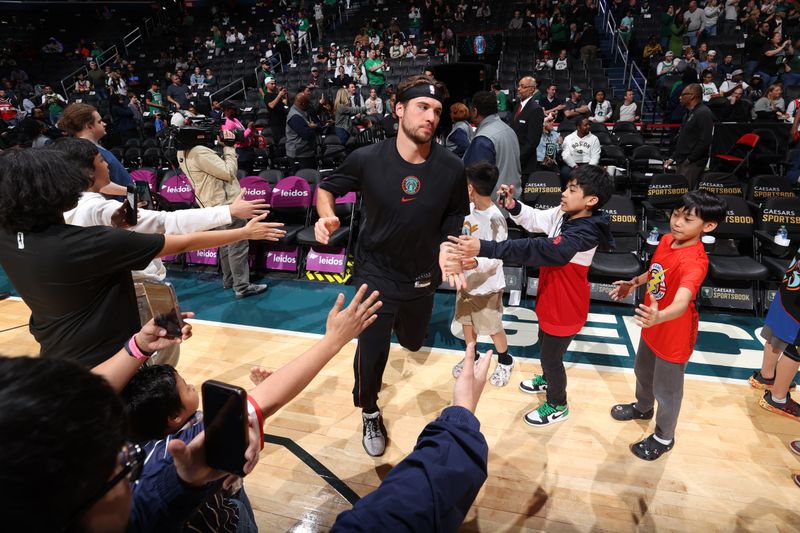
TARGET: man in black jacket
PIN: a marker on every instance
(527, 122)
(694, 137)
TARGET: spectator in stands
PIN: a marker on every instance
(665, 68)
(771, 106)
(8, 110)
(756, 42)
(82, 85)
(694, 19)
(244, 145)
(738, 109)
(629, 110)
(116, 84)
(210, 79)
(600, 109)
(726, 68)
(494, 141)
(711, 12)
(626, 26)
(575, 108)
(178, 93)
(154, 100)
(689, 61)
(83, 121)
(52, 103)
(550, 104)
(346, 115)
(396, 51)
(665, 29)
(484, 12)
(549, 146)
(516, 21)
(791, 76)
(527, 123)
(559, 32)
(730, 19)
(728, 86)
(562, 61)
(710, 62)
(460, 135)
(588, 44)
(694, 137)
(581, 147)
(502, 101)
(708, 85)
(301, 136)
(757, 88)
(652, 48)
(772, 58)
(355, 96)
(197, 79)
(376, 76)
(373, 104)
(123, 120)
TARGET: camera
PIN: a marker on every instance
(202, 131)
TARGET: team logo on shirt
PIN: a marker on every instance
(657, 284)
(411, 185)
(469, 229)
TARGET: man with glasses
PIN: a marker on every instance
(527, 123)
(694, 137)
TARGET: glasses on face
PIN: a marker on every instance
(131, 458)
(524, 86)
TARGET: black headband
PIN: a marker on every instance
(417, 91)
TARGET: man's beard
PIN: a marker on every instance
(417, 136)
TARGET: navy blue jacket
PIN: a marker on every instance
(116, 171)
(433, 487)
(576, 235)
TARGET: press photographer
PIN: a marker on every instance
(215, 183)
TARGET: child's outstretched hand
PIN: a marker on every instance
(259, 374)
(622, 289)
(648, 316)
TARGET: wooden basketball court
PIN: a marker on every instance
(729, 471)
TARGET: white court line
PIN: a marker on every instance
(445, 351)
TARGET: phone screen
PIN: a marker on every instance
(225, 418)
(131, 213)
(143, 193)
(164, 307)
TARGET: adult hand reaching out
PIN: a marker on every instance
(450, 263)
(152, 338)
(241, 208)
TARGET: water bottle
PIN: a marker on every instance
(782, 237)
(652, 237)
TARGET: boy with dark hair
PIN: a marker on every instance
(479, 304)
(575, 230)
(668, 319)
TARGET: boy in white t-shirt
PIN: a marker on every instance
(479, 305)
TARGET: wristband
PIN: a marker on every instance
(134, 351)
(254, 409)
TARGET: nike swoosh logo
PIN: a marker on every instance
(406, 199)
(557, 415)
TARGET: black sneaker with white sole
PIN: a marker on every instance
(374, 434)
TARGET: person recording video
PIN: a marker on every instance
(215, 183)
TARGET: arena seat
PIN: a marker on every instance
(774, 213)
(664, 192)
(768, 186)
(148, 175)
(290, 202)
(177, 190)
(623, 262)
(256, 188)
(739, 154)
(539, 183)
(721, 184)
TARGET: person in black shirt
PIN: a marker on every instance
(75, 280)
(694, 136)
(414, 195)
(276, 100)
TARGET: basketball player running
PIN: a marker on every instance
(414, 195)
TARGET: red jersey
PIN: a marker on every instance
(671, 269)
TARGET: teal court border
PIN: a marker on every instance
(728, 345)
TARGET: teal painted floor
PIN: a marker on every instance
(727, 345)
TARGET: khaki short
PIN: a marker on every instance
(484, 313)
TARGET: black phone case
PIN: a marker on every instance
(225, 425)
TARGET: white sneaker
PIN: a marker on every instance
(502, 374)
(460, 366)
(374, 434)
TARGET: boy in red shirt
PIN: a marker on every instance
(668, 319)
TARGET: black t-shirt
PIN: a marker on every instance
(277, 116)
(407, 211)
(77, 283)
(767, 64)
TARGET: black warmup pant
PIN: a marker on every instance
(551, 356)
(409, 319)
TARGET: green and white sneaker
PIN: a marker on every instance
(536, 385)
(547, 414)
